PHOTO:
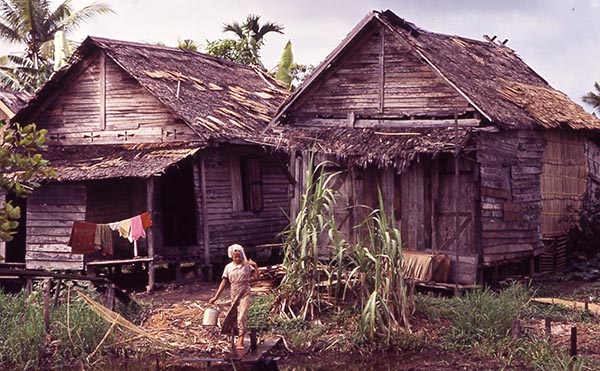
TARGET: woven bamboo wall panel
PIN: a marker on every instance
(564, 180)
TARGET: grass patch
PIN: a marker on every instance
(74, 335)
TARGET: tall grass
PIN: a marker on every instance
(21, 329)
(483, 316)
(75, 331)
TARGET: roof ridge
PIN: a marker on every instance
(97, 40)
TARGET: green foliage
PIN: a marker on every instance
(539, 355)
(483, 316)
(316, 255)
(306, 233)
(250, 39)
(378, 267)
(285, 63)
(593, 98)
(299, 73)
(22, 329)
(584, 235)
(187, 44)
(21, 168)
(232, 50)
(75, 331)
(33, 24)
(259, 313)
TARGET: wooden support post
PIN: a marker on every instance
(253, 344)
(456, 193)
(178, 275)
(90, 272)
(573, 341)
(47, 284)
(150, 233)
(57, 289)
(109, 300)
(205, 230)
(29, 286)
(548, 326)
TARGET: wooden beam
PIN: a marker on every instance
(150, 233)
(381, 68)
(102, 79)
(385, 123)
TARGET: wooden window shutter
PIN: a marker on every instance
(237, 194)
(256, 199)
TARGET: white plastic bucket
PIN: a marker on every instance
(210, 317)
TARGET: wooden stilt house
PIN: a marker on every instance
(477, 157)
(135, 128)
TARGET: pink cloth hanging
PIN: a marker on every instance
(137, 230)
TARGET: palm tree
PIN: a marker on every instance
(33, 24)
(593, 98)
(252, 33)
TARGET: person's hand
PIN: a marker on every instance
(212, 300)
(252, 263)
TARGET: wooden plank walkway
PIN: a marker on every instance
(245, 357)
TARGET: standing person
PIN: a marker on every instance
(238, 273)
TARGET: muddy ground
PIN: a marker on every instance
(175, 314)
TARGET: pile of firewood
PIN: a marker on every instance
(269, 278)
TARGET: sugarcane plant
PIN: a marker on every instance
(377, 265)
(308, 231)
(320, 264)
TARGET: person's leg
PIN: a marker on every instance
(242, 319)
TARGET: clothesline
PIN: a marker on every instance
(88, 238)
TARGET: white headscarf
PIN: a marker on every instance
(236, 247)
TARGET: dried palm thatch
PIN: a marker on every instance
(425, 266)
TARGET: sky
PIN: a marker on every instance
(559, 39)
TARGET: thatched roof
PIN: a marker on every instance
(218, 99)
(74, 163)
(489, 75)
(397, 147)
(13, 100)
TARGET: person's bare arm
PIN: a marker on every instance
(255, 274)
(219, 290)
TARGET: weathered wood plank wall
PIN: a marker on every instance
(96, 108)
(410, 87)
(226, 225)
(510, 168)
(51, 210)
